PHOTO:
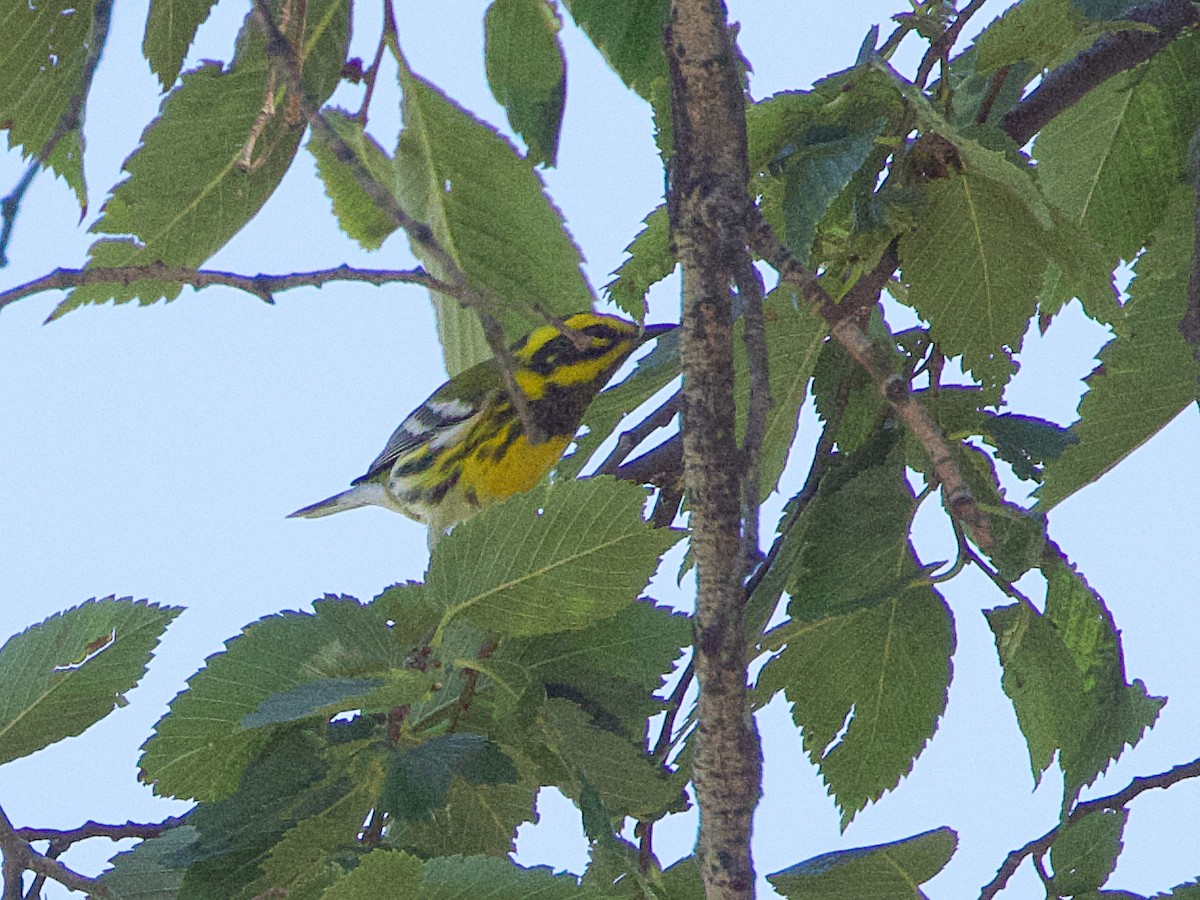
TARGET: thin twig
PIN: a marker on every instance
(940, 48)
(262, 286)
(956, 494)
(388, 32)
(631, 439)
(754, 337)
(1120, 799)
(995, 85)
(1113, 53)
(92, 829)
(20, 857)
(1189, 326)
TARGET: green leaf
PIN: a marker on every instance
(308, 699)
(1065, 674)
(630, 35)
(170, 28)
(71, 670)
(881, 674)
(1189, 891)
(476, 818)
(612, 668)
(651, 259)
(380, 873)
(626, 778)
(652, 373)
(487, 209)
(1111, 161)
(816, 167)
(42, 81)
(1036, 31)
(1147, 373)
(882, 872)
(357, 215)
(151, 870)
(795, 336)
(526, 71)
(975, 271)
(186, 195)
(554, 559)
(418, 780)
(201, 746)
(1085, 852)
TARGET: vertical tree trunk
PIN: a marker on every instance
(708, 203)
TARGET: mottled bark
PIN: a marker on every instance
(708, 203)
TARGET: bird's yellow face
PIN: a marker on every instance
(549, 359)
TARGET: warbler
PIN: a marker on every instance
(465, 447)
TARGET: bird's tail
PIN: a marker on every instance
(369, 493)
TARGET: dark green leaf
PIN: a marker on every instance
(526, 71)
(418, 780)
(1065, 674)
(357, 215)
(630, 35)
(1035, 31)
(381, 873)
(1147, 373)
(867, 688)
(186, 195)
(151, 870)
(1111, 161)
(70, 671)
(882, 872)
(487, 209)
(200, 747)
(47, 47)
(651, 259)
(554, 559)
(1085, 852)
(170, 27)
(309, 698)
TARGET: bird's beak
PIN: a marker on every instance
(649, 332)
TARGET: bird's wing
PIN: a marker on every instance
(441, 419)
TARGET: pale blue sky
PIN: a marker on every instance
(155, 452)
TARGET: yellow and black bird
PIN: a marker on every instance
(465, 447)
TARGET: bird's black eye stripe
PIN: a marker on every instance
(560, 350)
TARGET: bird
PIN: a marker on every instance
(466, 446)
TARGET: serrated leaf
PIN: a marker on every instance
(1188, 891)
(816, 167)
(476, 818)
(1065, 674)
(651, 259)
(1037, 31)
(526, 71)
(304, 700)
(380, 873)
(170, 28)
(882, 675)
(1085, 852)
(151, 870)
(653, 372)
(71, 670)
(1111, 161)
(627, 780)
(629, 33)
(891, 871)
(1147, 374)
(200, 746)
(186, 195)
(612, 668)
(418, 780)
(42, 79)
(974, 271)
(357, 215)
(555, 559)
(487, 210)
(795, 336)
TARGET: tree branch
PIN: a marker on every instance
(262, 286)
(1121, 798)
(940, 48)
(1112, 54)
(20, 857)
(955, 492)
(93, 829)
(1189, 326)
(633, 437)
